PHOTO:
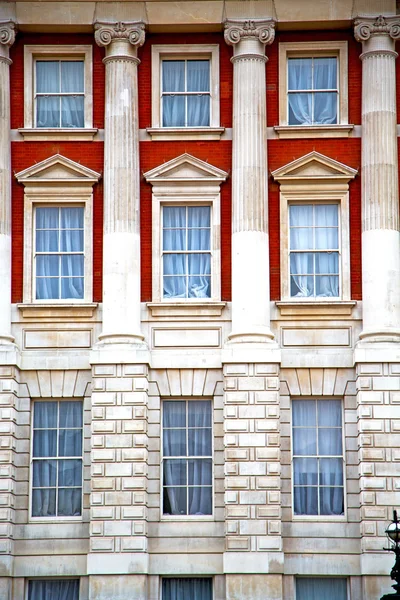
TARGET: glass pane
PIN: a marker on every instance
(72, 265)
(200, 500)
(72, 287)
(198, 75)
(70, 502)
(174, 287)
(331, 471)
(305, 500)
(301, 215)
(199, 287)
(330, 413)
(174, 216)
(43, 503)
(326, 238)
(45, 443)
(47, 76)
(175, 472)
(185, 588)
(301, 263)
(47, 289)
(200, 442)
(44, 473)
(72, 76)
(47, 265)
(47, 218)
(301, 286)
(300, 109)
(173, 75)
(199, 216)
(48, 111)
(305, 471)
(301, 238)
(69, 473)
(174, 264)
(47, 241)
(331, 501)
(72, 218)
(70, 442)
(315, 588)
(326, 263)
(325, 108)
(327, 286)
(325, 73)
(199, 239)
(199, 413)
(174, 413)
(200, 472)
(198, 109)
(45, 414)
(300, 73)
(174, 442)
(326, 215)
(330, 441)
(304, 413)
(174, 239)
(175, 501)
(72, 111)
(173, 108)
(199, 264)
(304, 441)
(71, 414)
(72, 241)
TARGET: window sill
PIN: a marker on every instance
(62, 135)
(57, 311)
(316, 308)
(286, 132)
(188, 309)
(185, 133)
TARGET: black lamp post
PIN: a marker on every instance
(393, 533)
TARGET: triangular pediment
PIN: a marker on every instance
(314, 166)
(57, 168)
(186, 168)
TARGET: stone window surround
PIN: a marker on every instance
(191, 518)
(328, 518)
(184, 51)
(55, 518)
(308, 49)
(30, 131)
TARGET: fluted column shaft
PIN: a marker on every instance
(250, 242)
(121, 245)
(380, 189)
(7, 37)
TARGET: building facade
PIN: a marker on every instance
(200, 299)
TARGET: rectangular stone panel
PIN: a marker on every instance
(316, 337)
(35, 338)
(187, 338)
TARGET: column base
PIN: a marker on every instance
(119, 348)
(260, 335)
(380, 336)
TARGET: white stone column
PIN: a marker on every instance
(250, 243)
(121, 248)
(7, 37)
(380, 189)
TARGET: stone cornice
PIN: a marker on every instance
(130, 31)
(365, 27)
(7, 33)
(237, 30)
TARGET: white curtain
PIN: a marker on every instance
(52, 420)
(186, 229)
(316, 588)
(187, 482)
(182, 109)
(59, 94)
(61, 589)
(181, 588)
(318, 481)
(59, 231)
(314, 227)
(312, 107)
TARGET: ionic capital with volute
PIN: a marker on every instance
(121, 39)
(365, 27)
(238, 30)
(7, 38)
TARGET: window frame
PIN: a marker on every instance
(166, 517)
(32, 53)
(320, 49)
(184, 52)
(318, 518)
(54, 518)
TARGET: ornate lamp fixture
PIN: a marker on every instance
(393, 533)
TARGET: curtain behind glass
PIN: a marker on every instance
(180, 588)
(64, 589)
(327, 588)
(59, 94)
(180, 109)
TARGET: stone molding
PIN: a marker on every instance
(129, 31)
(237, 30)
(365, 27)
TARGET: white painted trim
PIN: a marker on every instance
(57, 52)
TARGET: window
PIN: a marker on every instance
(186, 251)
(59, 252)
(185, 92)
(58, 99)
(56, 589)
(315, 588)
(182, 588)
(318, 483)
(313, 90)
(57, 459)
(59, 93)
(187, 457)
(314, 250)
